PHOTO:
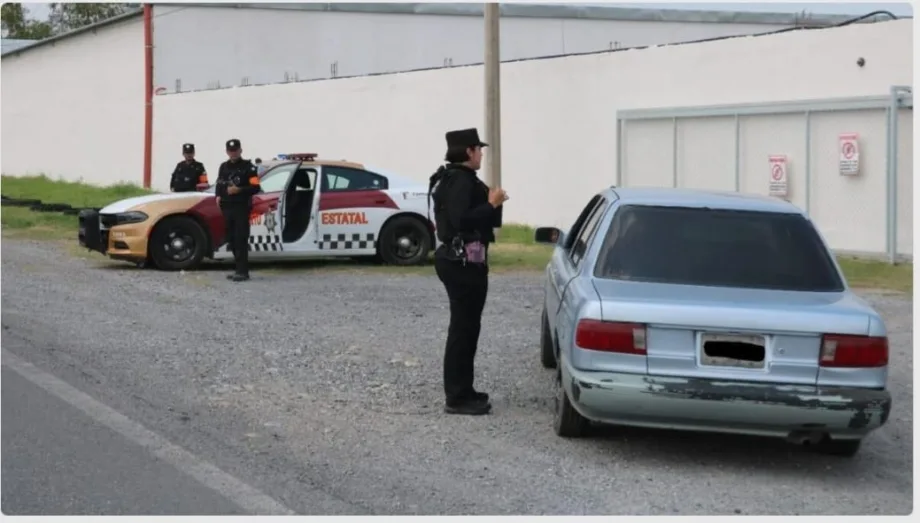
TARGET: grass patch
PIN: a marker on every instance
(76, 194)
(20, 222)
(871, 274)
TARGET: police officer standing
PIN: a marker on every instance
(189, 172)
(466, 211)
(237, 183)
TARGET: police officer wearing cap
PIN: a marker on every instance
(189, 172)
(237, 183)
(466, 211)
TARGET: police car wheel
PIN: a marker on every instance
(177, 243)
(404, 241)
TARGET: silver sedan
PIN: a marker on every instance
(708, 311)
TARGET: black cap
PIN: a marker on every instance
(233, 144)
(464, 138)
(188, 148)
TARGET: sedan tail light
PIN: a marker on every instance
(839, 350)
(609, 336)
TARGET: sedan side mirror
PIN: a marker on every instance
(550, 235)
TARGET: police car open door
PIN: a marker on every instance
(297, 210)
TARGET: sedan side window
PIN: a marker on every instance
(587, 232)
(580, 223)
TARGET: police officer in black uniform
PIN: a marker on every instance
(237, 183)
(466, 211)
(189, 172)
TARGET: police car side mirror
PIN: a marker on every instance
(549, 235)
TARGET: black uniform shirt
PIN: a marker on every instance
(241, 173)
(188, 174)
(462, 207)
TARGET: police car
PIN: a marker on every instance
(308, 208)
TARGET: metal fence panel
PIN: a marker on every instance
(705, 153)
(648, 153)
(905, 187)
(728, 147)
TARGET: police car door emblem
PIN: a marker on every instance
(270, 222)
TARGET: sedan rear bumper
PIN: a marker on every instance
(725, 406)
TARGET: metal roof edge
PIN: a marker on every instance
(584, 12)
(75, 32)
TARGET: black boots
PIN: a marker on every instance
(476, 404)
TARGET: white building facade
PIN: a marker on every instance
(694, 115)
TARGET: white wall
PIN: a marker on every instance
(201, 46)
(558, 127)
(75, 108)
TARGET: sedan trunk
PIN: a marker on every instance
(731, 333)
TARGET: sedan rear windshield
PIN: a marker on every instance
(724, 248)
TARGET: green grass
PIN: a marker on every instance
(870, 274)
(20, 222)
(514, 251)
(77, 194)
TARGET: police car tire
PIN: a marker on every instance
(173, 223)
(547, 347)
(388, 237)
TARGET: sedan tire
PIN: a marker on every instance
(547, 347)
(567, 422)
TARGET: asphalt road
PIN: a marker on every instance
(319, 392)
(57, 460)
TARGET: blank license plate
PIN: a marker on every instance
(725, 360)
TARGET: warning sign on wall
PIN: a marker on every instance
(779, 176)
(849, 154)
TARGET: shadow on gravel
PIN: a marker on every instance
(723, 451)
(282, 267)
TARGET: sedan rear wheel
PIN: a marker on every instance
(547, 347)
(567, 422)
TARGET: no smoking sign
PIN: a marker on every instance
(779, 182)
(849, 154)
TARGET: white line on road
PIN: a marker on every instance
(246, 496)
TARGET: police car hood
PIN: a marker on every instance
(136, 203)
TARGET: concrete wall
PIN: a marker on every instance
(76, 108)
(202, 47)
(559, 115)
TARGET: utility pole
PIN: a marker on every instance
(493, 96)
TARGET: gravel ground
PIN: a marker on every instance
(323, 390)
